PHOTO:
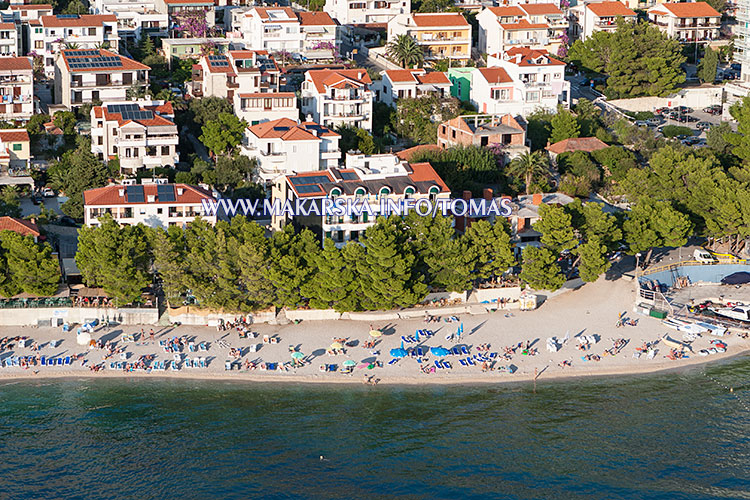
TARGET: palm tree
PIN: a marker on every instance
(72, 46)
(406, 51)
(529, 166)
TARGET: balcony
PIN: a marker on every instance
(357, 115)
(353, 99)
(274, 156)
(330, 155)
(233, 85)
(445, 40)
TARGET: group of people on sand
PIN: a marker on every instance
(241, 324)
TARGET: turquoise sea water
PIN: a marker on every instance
(670, 436)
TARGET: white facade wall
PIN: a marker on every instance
(366, 11)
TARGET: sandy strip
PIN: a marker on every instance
(591, 310)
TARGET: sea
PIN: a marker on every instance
(674, 435)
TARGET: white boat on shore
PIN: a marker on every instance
(684, 326)
(716, 330)
(674, 344)
(739, 311)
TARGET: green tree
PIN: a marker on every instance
(405, 50)
(616, 161)
(541, 270)
(35, 126)
(203, 111)
(581, 174)
(670, 131)
(417, 119)
(708, 65)
(655, 224)
(77, 171)
(168, 253)
(75, 7)
(740, 111)
(145, 47)
(564, 126)
(715, 138)
(353, 138)
(292, 265)
(539, 128)
(65, 121)
(10, 203)
(232, 171)
(252, 262)
(334, 283)
(463, 168)
(489, 249)
(593, 260)
(30, 266)
(556, 226)
(529, 167)
(223, 134)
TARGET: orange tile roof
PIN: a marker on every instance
(284, 128)
(110, 195)
(263, 13)
(86, 20)
(434, 77)
(28, 6)
(439, 20)
(495, 75)
(323, 78)
(587, 144)
(250, 95)
(196, 2)
(407, 154)
(15, 63)
(540, 9)
(417, 76)
(512, 11)
(315, 19)
(156, 121)
(212, 68)
(402, 75)
(609, 9)
(693, 9)
(127, 64)
(7, 26)
(525, 56)
(162, 109)
(523, 24)
(20, 226)
(423, 172)
(14, 135)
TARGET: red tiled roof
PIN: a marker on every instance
(523, 24)
(586, 144)
(315, 19)
(284, 128)
(423, 172)
(14, 135)
(15, 63)
(417, 76)
(127, 64)
(197, 2)
(7, 26)
(263, 13)
(528, 55)
(323, 78)
(540, 9)
(20, 226)
(692, 9)
(438, 20)
(156, 121)
(495, 75)
(228, 68)
(86, 20)
(609, 9)
(110, 195)
(434, 77)
(249, 95)
(29, 6)
(512, 11)
(407, 154)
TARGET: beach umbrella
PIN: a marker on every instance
(297, 355)
(337, 345)
(349, 362)
(439, 351)
(399, 353)
(375, 333)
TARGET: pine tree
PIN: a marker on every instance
(540, 269)
(564, 126)
(489, 249)
(29, 265)
(291, 264)
(252, 262)
(557, 229)
(708, 65)
(334, 283)
(168, 251)
(593, 260)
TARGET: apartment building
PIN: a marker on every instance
(366, 12)
(27, 20)
(585, 19)
(15, 152)
(272, 28)
(134, 19)
(25, 13)
(175, 8)
(687, 22)
(498, 131)
(321, 35)
(285, 147)
(371, 178)
(141, 135)
(151, 204)
(16, 89)
(742, 39)
(225, 75)
(190, 48)
(261, 107)
(539, 26)
(84, 76)
(441, 36)
(407, 83)
(10, 40)
(338, 97)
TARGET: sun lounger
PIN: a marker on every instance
(447, 364)
(405, 339)
(438, 364)
(463, 362)
(464, 350)
(191, 346)
(456, 351)
(393, 361)
(67, 360)
(470, 361)
(420, 351)
(43, 361)
(202, 362)
(227, 365)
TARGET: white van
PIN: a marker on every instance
(704, 256)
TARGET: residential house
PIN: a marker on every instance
(28, 12)
(261, 107)
(321, 35)
(16, 89)
(20, 226)
(15, 157)
(376, 179)
(27, 18)
(525, 213)
(585, 144)
(366, 12)
(84, 76)
(587, 18)
(407, 83)
(687, 22)
(175, 8)
(73, 31)
(534, 70)
(285, 147)
(539, 26)
(461, 82)
(191, 48)
(338, 97)
(273, 29)
(224, 75)
(140, 135)
(134, 20)
(151, 204)
(10, 40)
(442, 36)
(499, 131)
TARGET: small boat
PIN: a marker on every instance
(716, 330)
(738, 311)
(675, 344)
(703, 352)
(684, 326)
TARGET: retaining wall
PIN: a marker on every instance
(490, 294)
(710, 273)
(32, 315)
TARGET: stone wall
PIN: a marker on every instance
(58, 315)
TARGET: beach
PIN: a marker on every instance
(592, 310)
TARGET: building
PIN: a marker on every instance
(441, 36)
(539, 26)
(175, 8)
(85, 31)
(408, 83)
(587, 18)
(190, 48)
(461, 82)
(585, 144)
(742, 39)
(498, 131)
(687, 22)
(15, 152)
(224, 75)
(84, 76)
(141, 135)
(272, 28)
(338, 97)
(534, 70)
(27, 18)
(20, 226)
(285, 147)
(260, 107)
(321, 35)
(151, 204)
(10, 40)
(134, 20)
(370, 12)
(28, 12)
(372, 178)
(16, 89)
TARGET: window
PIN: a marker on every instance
(39, 44)
(159, 211)
(335, 193)
(408, 192)
(384, 191)
(433, 193)
(100, 140)
(165, 150)
(359, 192)
(500, 94)
(92, 31)
(37, 30)
(354, 236)
(17, 147)
(127, 78)
(558, 76)
(532, 96)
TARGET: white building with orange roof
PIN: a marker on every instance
(174, 8)
(84, 31)
(273, 29)
(15, 151)
(151, 204)
(141, 134)
(444, 35)
(585, 19)
(20, 226)
(321, 35)
(285, 146)
(535, 71)
(16, 88)
(261, 107)
(85, 76)
(408, 83)
(687, 22)
(10, 42)
(338, 97)
(28, 12)
(236, 71)
(539, 26)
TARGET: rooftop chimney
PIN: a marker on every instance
(121, 192)
(537, 199)
(180, 191)
(487, 194)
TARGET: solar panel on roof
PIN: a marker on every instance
(308, 188)
(135, 194)
(165, 192)
(309, 179)
(348, 176)
(67, 16)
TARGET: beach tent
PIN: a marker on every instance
(439, 351)
(297, 355)
(399, 353)
(349, 362)
(336, 346)
(375, 333)
(736, 278)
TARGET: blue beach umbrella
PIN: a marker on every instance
(399, 353)
(439, 351)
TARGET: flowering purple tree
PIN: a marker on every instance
(193, 24)
(327, 46)
(283, 55)
(208, 48)
(562, 51)
(564, 4)
(498, 150)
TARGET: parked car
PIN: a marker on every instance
(641, 123)
(690, 141)
(691, 119)
(662, 111)
(653, 122)
(703, 125)
(48, 193)
(713, 110)
(683, 109)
